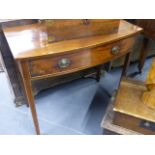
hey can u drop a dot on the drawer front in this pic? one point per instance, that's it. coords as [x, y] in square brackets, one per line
[80, 59]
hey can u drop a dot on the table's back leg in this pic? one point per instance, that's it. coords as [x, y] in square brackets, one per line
[29, 93]
[98, 73]
[126, 64]
[143, 54]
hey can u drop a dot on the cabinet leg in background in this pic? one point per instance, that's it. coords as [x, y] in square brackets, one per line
[126, 64]
[143, 54]
[98, 73]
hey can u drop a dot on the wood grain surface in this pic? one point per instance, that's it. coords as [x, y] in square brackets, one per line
[79, 59]
[37, 58]
[31, 41]
[128, 100]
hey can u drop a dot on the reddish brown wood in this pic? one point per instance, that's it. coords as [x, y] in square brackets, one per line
[39, 59]
[64, 29]
[126, 64]
[79, 59]
[10, 66]
[143, 54]
[148, 26]
[37, 45]
[29, 93]
[132, 123]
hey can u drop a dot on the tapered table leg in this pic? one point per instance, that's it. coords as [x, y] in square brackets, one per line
[126, 64]
[29, 93]
[143, 54]
[98, 73]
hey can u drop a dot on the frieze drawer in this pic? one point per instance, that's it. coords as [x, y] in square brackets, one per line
[79, 59]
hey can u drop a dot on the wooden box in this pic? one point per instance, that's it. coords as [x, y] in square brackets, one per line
[128, 114]
[66, 29]
[134, 124]
[108, 123]
[128, 100]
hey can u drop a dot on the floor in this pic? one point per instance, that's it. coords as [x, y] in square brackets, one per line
[1, 69]
[74, 108]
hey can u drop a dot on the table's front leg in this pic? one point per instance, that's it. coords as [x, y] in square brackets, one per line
[29, 92]
[143, 54]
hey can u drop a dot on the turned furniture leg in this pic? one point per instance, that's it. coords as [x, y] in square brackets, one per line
[29, 93]
[126, 64]
[143, 54]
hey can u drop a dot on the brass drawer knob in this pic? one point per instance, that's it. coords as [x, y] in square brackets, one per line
[63, 63]
[115, 50]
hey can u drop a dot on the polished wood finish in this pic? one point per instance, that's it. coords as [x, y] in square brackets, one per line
[130, 111]
[37, 42]
[119, 123]
[24, 68]
[128, 100]
[114, 127]
[8, 62]
[38, 59]
[131, 123]
[65, 29]
[98, 55]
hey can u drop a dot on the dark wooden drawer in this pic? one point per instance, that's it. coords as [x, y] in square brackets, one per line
[79, 59]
